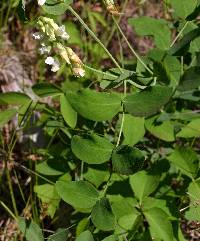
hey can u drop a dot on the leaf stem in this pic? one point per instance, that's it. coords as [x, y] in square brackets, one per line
[179, 34]
[94, 36]
[123, 116]
[131, 48]
[11, 191]
[8, 210]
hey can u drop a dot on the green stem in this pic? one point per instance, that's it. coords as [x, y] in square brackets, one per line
[99, 71]
[11, 192]
[19, 186]
[33, 172]
[131, 48]
[8, 210]
[7, 14]
[123, 116]
[114, 27]
[114, 76]
[94, 36]
[82, 168]
[121, 129]
[179, 34]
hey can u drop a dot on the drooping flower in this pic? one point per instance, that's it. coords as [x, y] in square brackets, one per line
[76, 63]
[51, 29]
[44, 49]
[72, 59]
[37, 36]
[62, 33]
[54, 63]
[63, 52]
[55, 66]
[41, 2]
[49, 60]
[79, 72]
[112, 7]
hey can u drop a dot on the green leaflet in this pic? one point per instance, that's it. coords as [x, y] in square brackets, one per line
[93, 105]
[55, 7]
[79, 194]
[147, 102]
[92, 149]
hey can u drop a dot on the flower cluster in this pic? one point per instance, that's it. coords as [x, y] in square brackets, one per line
[112, 7]
[51, 36]
[41, 2]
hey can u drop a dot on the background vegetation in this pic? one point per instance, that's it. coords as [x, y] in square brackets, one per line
[100, 120]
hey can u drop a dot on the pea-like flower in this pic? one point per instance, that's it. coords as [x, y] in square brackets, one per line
[52, 30]
[63, 52]
[37, 36]
[54, 63]
[62, 33]
[52, 34]
[76, 63]
[41, 2]
[44, 49]
[112, 7]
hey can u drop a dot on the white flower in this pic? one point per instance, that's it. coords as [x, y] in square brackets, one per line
[44, 49]
[62, 33]
[49, 60]
[37, 36]
[79, 72]
[63, 52]
[55, 66]
[41, 2]
[54, 63]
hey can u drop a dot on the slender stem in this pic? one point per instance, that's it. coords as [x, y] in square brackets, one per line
[114, 27]
[136, 85]
[9, 159]
[8, 210]
[131, 48]
[123, 116]
[82, 168]
[179, 34]
[107, 184]
[114, 76]
[99, 71]
[7, 14]
[11, 192]
[120, 49]
[121, 129]
[124, 236]
[33, 172]
[94, 36]
[20, 189]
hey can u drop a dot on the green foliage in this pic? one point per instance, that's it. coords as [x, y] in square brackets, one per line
[133, 129]
[68, 113]
[92, 149]
[186, 159]
[85, 236]
[60, 235]
[149, 101]
[143, 184]
[79, 194]
[102, 215]
[30, 230]
[157, 28]
[160, 226]
[6, 115]
[127, 160]
[93, 105]
[56, 7]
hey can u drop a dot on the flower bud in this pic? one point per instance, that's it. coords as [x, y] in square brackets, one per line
[112, 7]
[63, 52]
